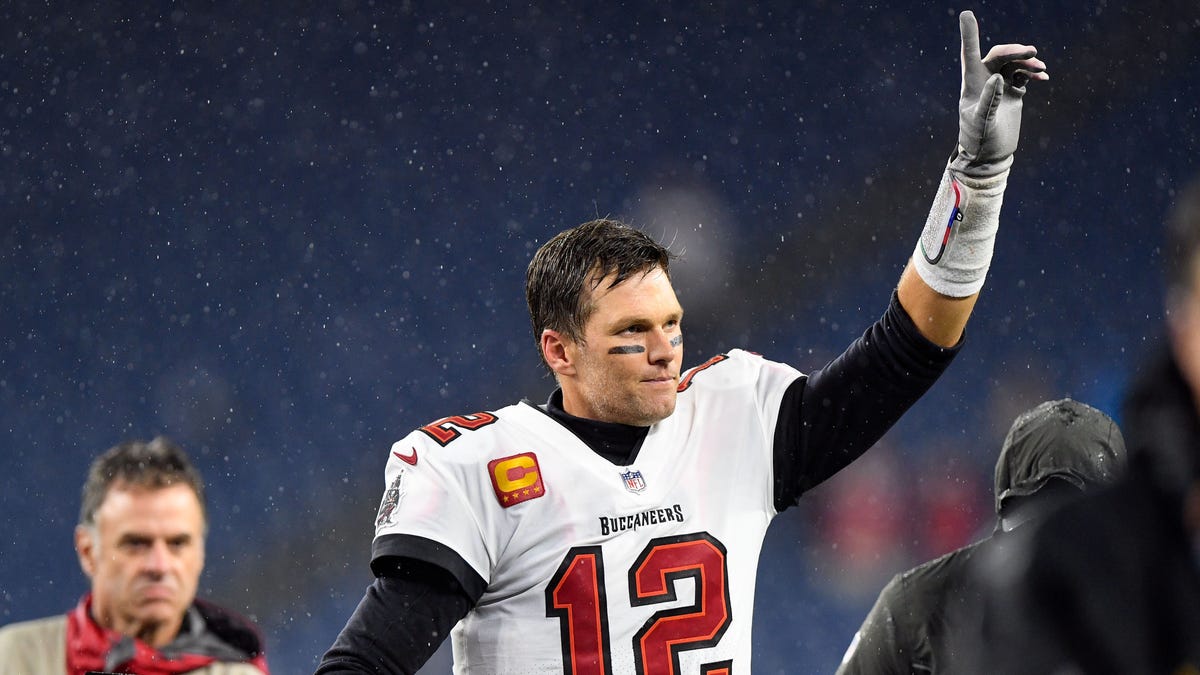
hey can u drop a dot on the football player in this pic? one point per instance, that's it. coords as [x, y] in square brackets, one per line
[617, 527]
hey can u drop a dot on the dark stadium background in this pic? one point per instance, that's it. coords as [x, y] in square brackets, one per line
[284, 234]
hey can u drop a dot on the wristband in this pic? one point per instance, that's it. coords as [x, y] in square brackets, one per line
[954, 251]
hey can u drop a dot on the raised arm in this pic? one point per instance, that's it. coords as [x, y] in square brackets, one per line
[942, 280]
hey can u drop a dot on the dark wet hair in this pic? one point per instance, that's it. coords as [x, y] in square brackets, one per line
[566, 269]
[156, 464]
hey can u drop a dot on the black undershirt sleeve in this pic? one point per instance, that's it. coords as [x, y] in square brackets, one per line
[835, 414]
[401, 621]
[391, 552]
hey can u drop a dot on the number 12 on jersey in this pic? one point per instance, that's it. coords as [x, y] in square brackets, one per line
[576, 596]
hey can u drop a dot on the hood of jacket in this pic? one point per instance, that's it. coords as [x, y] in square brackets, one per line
[1065, 440]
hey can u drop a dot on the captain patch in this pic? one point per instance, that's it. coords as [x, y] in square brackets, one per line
[516, 479]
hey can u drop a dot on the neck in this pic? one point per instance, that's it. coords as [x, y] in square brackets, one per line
[618, 443]
[157, 634]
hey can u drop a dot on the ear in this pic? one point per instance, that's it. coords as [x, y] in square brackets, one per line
[559, 352]
[86, 548]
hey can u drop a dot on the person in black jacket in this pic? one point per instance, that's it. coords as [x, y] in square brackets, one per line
[1111, 584]
[1052, 453]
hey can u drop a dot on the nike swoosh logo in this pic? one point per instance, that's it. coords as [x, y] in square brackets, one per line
[410, 459]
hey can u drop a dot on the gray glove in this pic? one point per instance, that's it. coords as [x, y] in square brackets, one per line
[989, 107]
[955, 249]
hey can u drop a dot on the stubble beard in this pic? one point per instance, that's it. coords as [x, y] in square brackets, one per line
[625, 407]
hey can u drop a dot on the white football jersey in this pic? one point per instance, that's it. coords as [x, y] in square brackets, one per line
[593, 568]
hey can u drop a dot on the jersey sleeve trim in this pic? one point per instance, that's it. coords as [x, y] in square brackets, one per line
[387, 548]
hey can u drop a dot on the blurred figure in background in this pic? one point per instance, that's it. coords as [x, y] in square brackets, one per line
[140, 541]
[1111, 583]
[1052, 453]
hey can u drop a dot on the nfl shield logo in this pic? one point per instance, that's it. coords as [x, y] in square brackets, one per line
[633, 481]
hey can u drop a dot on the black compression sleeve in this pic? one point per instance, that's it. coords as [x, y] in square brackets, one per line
[400, 622]
[828, 419]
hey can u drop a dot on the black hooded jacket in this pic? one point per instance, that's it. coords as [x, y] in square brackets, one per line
[929, 618]
[1110, 584]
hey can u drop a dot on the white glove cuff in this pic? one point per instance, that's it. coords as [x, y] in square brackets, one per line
[955, 249]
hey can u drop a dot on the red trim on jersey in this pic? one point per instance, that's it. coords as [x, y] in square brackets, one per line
[687, 379]
[410, 459]
[447, 429]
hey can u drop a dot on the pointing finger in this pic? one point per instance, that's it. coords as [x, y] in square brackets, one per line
[970, 36]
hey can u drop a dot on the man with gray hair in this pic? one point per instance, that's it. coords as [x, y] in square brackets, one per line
[140, 540]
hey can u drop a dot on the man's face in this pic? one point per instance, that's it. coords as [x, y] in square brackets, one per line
[144, 556]
[626, 369]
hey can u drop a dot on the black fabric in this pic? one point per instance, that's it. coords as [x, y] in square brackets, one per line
[933, 617]
[907, 629]
[618, 443]
[830, 418]
[1159, 416]
[212, 630]
[400, 622]
[1063, 439]
[1109, 584]
[1054, 493]
[391, 553]
[207, 630]
[930, 618]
